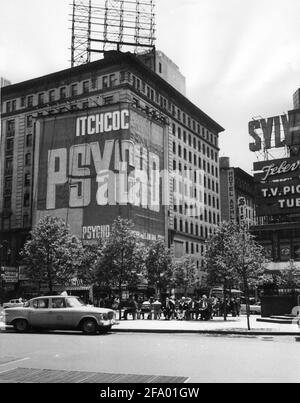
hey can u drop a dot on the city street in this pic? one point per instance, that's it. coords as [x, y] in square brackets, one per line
[196, 358]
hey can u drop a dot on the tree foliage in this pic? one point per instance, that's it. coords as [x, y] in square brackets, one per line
[159, 266]
[52, 254]
[233, 257]
[185, 274]
[220, 257]
[122, 257]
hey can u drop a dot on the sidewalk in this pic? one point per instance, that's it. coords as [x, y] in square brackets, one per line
[215, 326]
[232, 326]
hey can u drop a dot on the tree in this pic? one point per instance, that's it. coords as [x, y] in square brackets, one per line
[52, 254]
[220, 259]
[290, 277]
[90, 256]
[122, 257]
[185, 274]
[159, 266]
[249, 261]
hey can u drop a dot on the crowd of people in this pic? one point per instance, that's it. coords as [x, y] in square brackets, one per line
[170, 308]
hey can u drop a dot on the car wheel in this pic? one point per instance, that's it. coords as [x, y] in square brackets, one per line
[89, 326]
[21, 325]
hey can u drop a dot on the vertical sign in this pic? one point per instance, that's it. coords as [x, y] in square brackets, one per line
[242, 209]
[231, 195]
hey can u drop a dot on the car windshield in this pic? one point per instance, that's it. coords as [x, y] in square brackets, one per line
[74, 302]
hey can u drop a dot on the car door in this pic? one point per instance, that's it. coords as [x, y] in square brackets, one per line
[39, 313]
[61, 316]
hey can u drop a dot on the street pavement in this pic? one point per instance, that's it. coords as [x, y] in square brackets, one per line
[193, 358]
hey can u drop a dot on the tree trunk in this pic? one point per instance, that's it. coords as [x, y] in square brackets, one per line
[120, 300]
[246, 290]
[225, 304]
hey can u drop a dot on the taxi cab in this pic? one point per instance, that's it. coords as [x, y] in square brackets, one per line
[60, 313]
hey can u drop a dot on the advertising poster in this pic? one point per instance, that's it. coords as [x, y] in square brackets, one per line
[104, 164]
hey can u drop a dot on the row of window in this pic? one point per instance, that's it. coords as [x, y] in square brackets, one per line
[208, 200]
[8, 201]
[208, 183]
[164, 103]
[195, 229]
[194, 142]
[194, 159]
[61, 93]
[6, 222]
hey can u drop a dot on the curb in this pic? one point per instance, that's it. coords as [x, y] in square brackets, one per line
[213, 332]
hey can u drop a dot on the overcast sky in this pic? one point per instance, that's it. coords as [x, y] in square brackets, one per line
[241, 58]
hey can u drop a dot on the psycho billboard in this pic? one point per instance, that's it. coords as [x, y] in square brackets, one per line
[99, 164]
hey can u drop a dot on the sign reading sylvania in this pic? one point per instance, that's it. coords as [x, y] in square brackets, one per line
[106, 163]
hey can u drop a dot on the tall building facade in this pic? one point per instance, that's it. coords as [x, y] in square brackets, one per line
[237, 194]
[106, 139]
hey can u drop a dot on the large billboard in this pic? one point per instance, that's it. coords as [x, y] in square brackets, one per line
[277, 186]
[276, 132]
[97, 165]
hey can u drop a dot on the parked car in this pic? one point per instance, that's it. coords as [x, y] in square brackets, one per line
[255, 308]
[13, 303]
[60, 313]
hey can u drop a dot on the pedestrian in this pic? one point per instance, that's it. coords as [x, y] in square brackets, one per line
[139, 307]
[238, 306]
[167, 308]
[203, 308]
[187, 308]
[181, 309]
[146, 309]
[131, 308]
[156, 306]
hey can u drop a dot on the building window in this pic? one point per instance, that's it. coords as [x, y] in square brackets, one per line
[8, 106]
[9, 144]
[63, 93]
[14, 105]
[8, 164]
[105, 82]
[29, 121]
[108, 100]
[27, 159]
[26, 222]
[160, 67]
[27, 179]
[192, 248]
[7, 202]
[41, 98]
[26, 200]
[74, 90]
[29, 101]
[187, 247]
[8, 183]
[52, 96]
[29, 140]
[86, 87]
[23, 102]
[10, 128]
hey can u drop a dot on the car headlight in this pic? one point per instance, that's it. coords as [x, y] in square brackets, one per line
[103, 316]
